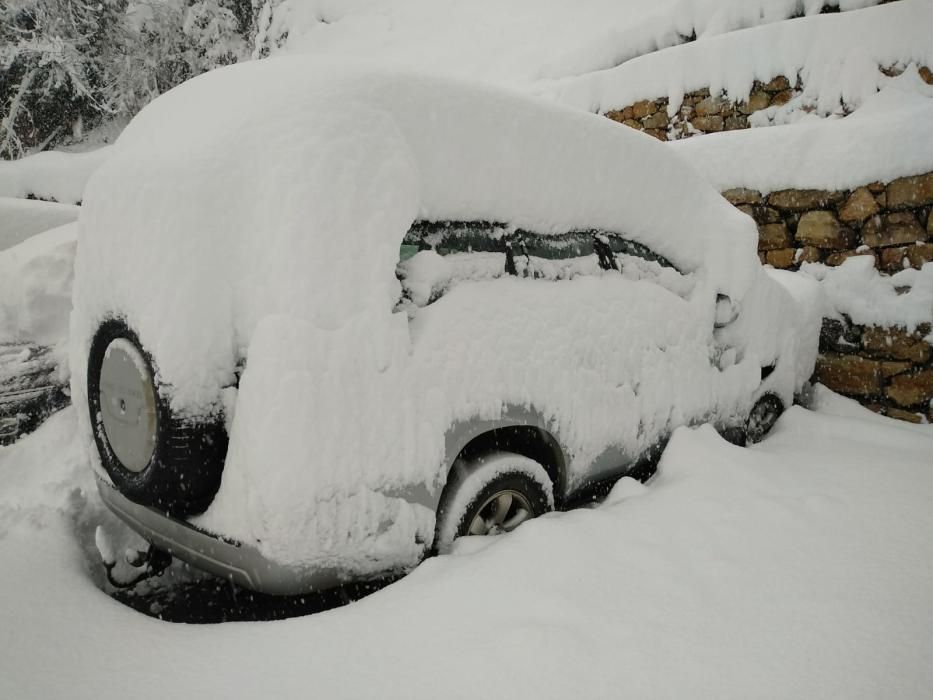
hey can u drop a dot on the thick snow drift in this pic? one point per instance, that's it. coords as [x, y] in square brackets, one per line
[771, 572]
[837, 57]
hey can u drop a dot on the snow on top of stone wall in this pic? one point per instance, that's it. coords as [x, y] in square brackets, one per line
[837, 57]
[519, 42]
[891, 136]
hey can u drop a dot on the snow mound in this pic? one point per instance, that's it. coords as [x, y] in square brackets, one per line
[35, 287]
[56, 175]
[837, 57]
[857, 290]
[22, 218]
[834, 154]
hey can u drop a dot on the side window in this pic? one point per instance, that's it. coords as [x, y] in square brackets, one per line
[436, 255]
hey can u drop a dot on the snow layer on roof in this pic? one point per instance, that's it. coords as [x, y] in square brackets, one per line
[270, 183]
[891, 136]
[837, 57]
[50, 175]
[519, 42]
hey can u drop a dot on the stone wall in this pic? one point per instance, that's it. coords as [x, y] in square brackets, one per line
[886, 369]
[891, 222]
[703, 113]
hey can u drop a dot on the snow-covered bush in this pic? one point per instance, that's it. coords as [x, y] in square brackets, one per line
[66, 64]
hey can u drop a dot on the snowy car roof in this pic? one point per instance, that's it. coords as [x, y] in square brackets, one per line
[334, 146]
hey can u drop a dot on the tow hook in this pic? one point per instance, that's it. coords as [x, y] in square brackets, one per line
[152, 562]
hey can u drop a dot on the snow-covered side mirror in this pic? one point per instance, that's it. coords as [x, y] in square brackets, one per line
[726, 311]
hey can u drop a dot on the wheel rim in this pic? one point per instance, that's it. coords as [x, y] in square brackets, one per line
[502, 512]
[128, 405]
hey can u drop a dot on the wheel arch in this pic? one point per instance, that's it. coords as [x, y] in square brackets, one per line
[522, 434]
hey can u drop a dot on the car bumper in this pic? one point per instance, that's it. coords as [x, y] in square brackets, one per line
[234, 561]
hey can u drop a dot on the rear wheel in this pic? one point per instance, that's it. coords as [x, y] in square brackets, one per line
[492, 496]
[154, 456]
[764, 415]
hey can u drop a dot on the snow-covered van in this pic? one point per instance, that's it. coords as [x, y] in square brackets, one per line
[327, 319]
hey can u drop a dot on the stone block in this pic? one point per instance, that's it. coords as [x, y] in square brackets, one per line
[821, 229]
[859, 206]
[781, 259]
[913, 389]
[892, 259]
[893, 229]
[773, 237]
[709, 106]
[740, 195]
[849, 374]
[778, 84]
[802, 200]
[713, 123]
[658, 120]
[914, 191]
[735, 122]
[767, 215]
[891, 369]
[927, 75]
[895, 344]
[757, 100]
[809, 254]
[782, 98]
[900, 414]
[919, 255]
[643, 108]
[660, 134]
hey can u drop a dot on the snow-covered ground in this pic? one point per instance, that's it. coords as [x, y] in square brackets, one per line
[802, 567]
